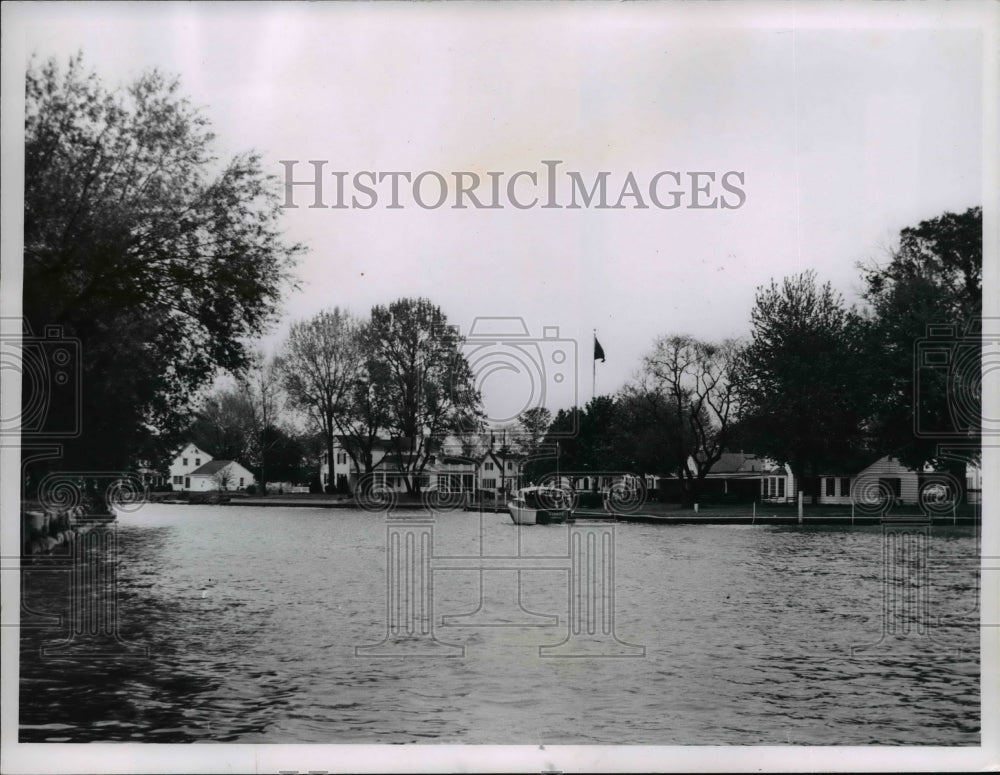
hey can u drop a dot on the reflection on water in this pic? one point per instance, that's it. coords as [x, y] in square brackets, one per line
[252, 616]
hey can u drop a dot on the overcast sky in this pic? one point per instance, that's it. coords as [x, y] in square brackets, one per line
[845, 129]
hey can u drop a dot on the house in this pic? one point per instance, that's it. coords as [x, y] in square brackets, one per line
[218, 475]
[869, 482]
[194, 469]
[346, 474]
[447, 469]
[746, 477]
[499, 471]
[189, 459]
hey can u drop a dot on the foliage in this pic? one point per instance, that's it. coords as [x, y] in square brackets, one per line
[934, 278]
[803, 378]
[222, 425]
[687, 387]
[533, 424]
[322, 363]
[594, 447]
[424, 378]
[140, 243]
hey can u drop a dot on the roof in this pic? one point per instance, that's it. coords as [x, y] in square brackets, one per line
[740, 463]
[210, 468]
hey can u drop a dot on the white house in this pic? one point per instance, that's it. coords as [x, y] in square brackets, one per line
[499, 471]
[187, 460]
[883, 477]
[194, 469]
[218, 475]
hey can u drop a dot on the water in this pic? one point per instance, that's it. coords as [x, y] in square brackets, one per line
[251, 618]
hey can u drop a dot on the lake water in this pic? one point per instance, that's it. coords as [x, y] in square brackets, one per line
[241, 624]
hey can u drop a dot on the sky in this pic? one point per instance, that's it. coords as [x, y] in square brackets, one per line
[844, 128]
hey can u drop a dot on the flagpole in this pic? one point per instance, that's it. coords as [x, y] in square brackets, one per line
[593, 376]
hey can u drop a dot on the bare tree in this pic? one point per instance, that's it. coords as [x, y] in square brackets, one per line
[321, 364]
[697, 379]
[223, 478]
[260, 386]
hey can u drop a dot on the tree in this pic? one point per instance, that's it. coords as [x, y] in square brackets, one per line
[160, 259]
[222, 425]
[322, 364]
[803, 378]
[223, 478]
[534, 422]
[934, 278]
[425, 378]
[259, 384]
[695, 381]
[649, 430]
[595, 446]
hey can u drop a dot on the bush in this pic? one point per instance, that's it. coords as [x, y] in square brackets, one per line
[251, 489]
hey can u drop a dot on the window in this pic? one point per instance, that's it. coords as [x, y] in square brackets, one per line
[241, 481]
[178, 480]
[197, 461]
[781, 487]
[510, 465]
[184, 462]
[831, 485]
[488, 466]
[341, 458]
[489, 484]
[845, 486]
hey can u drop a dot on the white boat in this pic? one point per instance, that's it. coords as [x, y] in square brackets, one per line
[540, 506]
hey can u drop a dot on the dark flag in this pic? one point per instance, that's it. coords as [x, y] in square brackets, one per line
[598, 350]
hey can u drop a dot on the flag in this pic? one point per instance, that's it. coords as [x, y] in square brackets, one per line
[598, 350]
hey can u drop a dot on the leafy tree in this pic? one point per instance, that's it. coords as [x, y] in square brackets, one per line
[533, 424]
[287, 456]
[594, 447]
[934, 278]
[158, 257]
[425, 378]
[649, 429]
[803, 378]
[222, 425]
[693, 380]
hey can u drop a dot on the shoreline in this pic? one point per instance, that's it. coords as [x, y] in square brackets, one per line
[725, 515]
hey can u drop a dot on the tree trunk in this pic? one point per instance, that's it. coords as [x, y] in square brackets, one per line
[330, 485]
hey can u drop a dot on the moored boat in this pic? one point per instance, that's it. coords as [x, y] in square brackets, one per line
[540, 506]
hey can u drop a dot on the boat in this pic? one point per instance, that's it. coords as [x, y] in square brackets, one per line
[541, 506]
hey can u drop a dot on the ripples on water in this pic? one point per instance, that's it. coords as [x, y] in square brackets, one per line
[251, 618]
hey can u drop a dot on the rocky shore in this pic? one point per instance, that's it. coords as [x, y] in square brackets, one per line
[47, 529]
